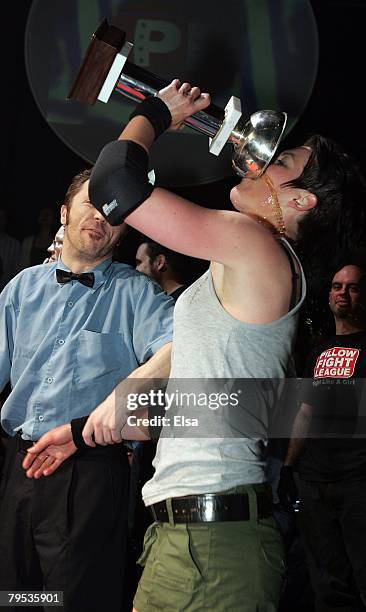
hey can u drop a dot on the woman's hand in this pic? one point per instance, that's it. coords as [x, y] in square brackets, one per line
[183, 101]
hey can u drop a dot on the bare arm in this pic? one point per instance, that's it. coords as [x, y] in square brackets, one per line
[214, 235]
[135, 428]
[299, 433]
[287, 489]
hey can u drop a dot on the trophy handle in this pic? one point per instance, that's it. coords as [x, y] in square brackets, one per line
[100, 55]
[105, 69]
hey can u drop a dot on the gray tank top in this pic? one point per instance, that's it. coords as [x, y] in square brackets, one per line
[213, 351]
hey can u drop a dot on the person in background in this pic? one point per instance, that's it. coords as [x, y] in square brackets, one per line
[9, 252]
[164, 266]
[332, 462]
[55, 248]
[34, 246]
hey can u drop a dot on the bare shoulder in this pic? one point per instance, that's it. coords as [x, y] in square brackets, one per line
[257, 286]
[252, 243]
[241, 240]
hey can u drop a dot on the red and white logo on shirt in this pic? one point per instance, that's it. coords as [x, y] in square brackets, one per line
[337, 362]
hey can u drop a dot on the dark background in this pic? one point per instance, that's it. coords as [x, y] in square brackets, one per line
[37, 166]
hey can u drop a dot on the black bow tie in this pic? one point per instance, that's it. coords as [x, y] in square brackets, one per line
[86, 278]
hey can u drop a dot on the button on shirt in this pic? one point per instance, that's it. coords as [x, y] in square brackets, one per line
[65, 347]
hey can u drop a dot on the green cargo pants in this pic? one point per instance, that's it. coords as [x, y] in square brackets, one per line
[225, 566]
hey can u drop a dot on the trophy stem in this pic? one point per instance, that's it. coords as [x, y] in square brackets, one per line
[136, 84]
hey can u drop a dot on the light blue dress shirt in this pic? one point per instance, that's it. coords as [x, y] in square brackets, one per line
[65, 347]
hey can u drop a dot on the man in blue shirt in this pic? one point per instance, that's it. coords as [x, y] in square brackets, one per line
[69, 332]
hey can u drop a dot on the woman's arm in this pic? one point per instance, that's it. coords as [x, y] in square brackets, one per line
[214, 235]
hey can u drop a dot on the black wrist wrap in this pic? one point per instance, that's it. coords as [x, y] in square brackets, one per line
[155, 430]
[119, 180]
[77, 426]
[156, 111]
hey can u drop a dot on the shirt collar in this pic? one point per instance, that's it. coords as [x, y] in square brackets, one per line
[100, 272]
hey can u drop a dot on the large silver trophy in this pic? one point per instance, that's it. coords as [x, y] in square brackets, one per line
[106, 69]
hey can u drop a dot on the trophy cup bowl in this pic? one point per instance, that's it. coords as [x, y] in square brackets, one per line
[256, 142]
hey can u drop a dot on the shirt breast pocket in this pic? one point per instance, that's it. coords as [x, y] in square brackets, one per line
[99, 358]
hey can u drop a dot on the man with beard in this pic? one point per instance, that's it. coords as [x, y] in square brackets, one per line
[163, 265]
[332, 460]
[70, 331]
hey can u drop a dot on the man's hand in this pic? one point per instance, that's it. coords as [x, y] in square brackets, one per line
[183, 101]
[287, 490]
[49, 452]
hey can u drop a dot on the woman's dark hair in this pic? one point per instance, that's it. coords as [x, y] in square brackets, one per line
[336, 227]
[335, 178]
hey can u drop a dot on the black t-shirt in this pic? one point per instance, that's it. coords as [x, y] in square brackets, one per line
[333, 384]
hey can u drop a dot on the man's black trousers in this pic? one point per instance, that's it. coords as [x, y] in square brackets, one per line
[67, 532]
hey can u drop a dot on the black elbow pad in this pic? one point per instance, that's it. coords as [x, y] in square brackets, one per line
[119, 180]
